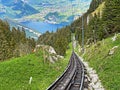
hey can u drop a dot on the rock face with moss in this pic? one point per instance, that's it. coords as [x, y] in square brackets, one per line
[49, 53]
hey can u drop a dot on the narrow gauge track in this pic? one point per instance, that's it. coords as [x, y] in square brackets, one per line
[72, 78]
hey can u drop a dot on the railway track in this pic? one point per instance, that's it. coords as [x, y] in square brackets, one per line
[72, 78]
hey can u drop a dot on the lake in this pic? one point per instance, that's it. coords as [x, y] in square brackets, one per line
[42, 27]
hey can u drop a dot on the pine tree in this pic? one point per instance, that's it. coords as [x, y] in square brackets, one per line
[111, 16]
[14, 43]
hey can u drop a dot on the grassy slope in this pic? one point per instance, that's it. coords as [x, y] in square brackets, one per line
[107, 66]
[15, 74]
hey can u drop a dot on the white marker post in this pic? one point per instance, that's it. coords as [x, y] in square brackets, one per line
[30, 81]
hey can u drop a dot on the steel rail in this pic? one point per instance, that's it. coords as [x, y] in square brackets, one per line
[73, 72]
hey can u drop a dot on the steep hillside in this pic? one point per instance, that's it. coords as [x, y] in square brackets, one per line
[104, 57]
[75, 27]
[99, 22]
[13, 42]
[59, 40]
[102, 51]
[16, 72]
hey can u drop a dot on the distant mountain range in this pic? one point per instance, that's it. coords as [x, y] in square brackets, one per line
[16, 9]
[50, 11]
[29, 31]
[42, 10]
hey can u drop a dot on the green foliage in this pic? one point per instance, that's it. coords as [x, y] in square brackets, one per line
[107, 66]
[99, 28]
[94, 4]
[101, 25]
[61, 45]
[59, 40]
[13, 43]
[15, 73]
[111, 16]
[95, 30]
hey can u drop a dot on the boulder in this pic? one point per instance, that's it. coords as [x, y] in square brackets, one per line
[54, 58]
[51, 59]
[60, 57]
[51, 50]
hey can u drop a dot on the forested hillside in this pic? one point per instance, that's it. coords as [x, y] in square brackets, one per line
[13, 42]
[100, 21]
[34, 72]
[59, 40]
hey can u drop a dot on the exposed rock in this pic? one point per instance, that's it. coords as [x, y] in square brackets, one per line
[49, 53]
[111, 52]
[90, 88]
[54, 58]
[60, 57]
[51, 59]
[114, 38]
[85, 89]
[51, 50]
[95, 83]
[87, 46]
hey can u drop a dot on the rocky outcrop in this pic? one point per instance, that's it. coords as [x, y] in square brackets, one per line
[114, 38]
[49, 53]
[95, 83]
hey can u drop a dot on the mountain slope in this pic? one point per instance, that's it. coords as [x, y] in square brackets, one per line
[17, 9]
[39, 9]
[99, 21]
[46, 7]
[29, 31]
[24, 8]
[15, 73]
[107, 65]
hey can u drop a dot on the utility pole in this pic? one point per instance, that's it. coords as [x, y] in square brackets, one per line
[72, 29]
[82, 34]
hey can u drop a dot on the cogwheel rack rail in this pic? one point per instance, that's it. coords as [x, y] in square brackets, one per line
[72, 78]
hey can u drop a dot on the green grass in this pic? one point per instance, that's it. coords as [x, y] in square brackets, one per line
[15, 73]
[107, 66]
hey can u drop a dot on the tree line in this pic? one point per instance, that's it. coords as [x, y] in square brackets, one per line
[98, 27]
[59, 39]
[13, 42]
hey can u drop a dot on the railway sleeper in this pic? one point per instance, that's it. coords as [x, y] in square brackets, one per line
[75, 87]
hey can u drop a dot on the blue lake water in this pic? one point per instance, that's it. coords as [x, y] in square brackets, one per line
[42, 27]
